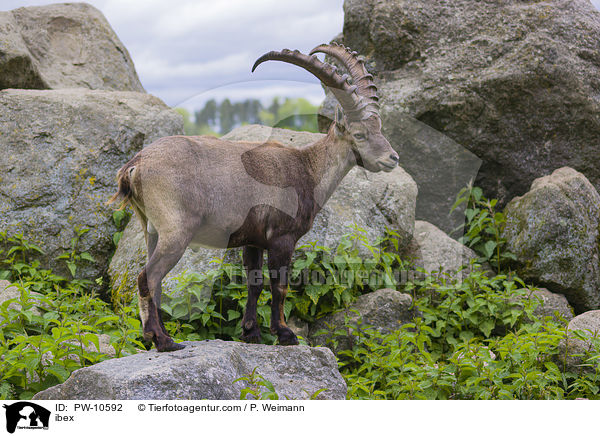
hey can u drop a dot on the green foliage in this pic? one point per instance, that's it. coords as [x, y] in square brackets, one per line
[525, 363]
[15, 252]
[478, 306]
[75, 257]
[53, 327]
[483, 229]
[120, 219]
[210, 306]
[334, 279]
[258, 387]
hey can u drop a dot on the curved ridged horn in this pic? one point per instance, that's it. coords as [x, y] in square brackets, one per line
[356, 67]
[345, 93]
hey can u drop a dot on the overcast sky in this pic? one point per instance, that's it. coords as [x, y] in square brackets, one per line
[188, 50]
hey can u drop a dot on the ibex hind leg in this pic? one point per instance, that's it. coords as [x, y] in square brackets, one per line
[150, 234]
[168, 251]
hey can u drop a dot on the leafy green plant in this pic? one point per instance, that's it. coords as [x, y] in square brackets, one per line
[41, 349]
[258, 387]
[335, 278]
[120, 219]
[74, 257]
[53, 326]
[15, 252]
[209, 306]
[483, 228]
[524, 364]
[477, 306]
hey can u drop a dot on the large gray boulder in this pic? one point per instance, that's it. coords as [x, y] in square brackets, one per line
[205, 370]
[69, 45]
[440, 166]
[551, 304]
[386, 310]
[371, 201]
[60, 153]
[512, 81]
[553, 231]
[435, 252]
[9, 292]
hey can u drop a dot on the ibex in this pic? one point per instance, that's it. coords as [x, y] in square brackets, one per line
[199, 190]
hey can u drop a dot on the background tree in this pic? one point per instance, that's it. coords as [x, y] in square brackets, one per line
[293, 113]
[208, 114]
[226, 116]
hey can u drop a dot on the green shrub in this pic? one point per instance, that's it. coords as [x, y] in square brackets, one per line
[209, 306]
[51, 329]
[457, 311]
[524, 364]
[332, 279]
[483, 228]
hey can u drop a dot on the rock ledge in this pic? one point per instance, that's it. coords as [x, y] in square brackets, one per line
[205, 370]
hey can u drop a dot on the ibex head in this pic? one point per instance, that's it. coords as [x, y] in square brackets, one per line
[360, 123]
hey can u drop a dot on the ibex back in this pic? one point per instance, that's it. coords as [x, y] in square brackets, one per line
[201, 190]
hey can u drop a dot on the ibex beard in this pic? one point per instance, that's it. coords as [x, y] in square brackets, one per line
[190, 191]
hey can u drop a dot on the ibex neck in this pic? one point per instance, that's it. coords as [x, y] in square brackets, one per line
[329, 160]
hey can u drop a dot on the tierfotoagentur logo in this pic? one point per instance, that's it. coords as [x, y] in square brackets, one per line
[26, 416]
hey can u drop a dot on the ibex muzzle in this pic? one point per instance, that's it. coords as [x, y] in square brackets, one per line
[261, 196]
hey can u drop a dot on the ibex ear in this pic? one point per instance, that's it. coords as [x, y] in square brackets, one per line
[339, 121]
[339, 129]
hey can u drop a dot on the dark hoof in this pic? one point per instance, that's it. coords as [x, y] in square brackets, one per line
[253, 339]
[287, 337]
[251, 333]
[168, 345]
[251, 336]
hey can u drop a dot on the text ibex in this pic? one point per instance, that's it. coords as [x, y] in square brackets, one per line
[200, 190]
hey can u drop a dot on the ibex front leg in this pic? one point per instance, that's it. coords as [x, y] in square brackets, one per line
[253, 261]
[280, 256]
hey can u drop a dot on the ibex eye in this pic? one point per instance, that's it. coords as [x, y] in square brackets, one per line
[359, 136]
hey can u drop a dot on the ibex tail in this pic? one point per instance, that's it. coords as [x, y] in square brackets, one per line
[124, 180]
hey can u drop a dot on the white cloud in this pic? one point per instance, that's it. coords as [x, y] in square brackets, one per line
[157, 69]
